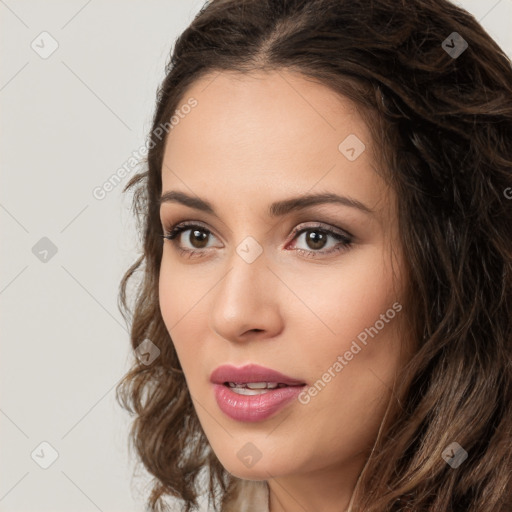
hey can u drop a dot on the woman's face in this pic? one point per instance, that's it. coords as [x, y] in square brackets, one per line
[271, 285]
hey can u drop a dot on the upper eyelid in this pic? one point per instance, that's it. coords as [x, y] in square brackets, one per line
[302, 226]
[308, 211]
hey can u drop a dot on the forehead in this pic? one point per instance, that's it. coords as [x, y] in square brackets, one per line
[276, 132]
[247, 111]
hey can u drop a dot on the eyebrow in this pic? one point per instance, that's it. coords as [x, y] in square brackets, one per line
[277, 209]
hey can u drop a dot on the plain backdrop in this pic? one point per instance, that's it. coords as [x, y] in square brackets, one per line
[78, 81]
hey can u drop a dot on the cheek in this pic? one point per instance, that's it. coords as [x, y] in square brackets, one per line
[178, 291]
[176, 300]
[348, 297]
[184, 308]
[361, 313]
[167, 296]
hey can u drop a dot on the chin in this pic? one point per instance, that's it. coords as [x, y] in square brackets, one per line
[258, 472]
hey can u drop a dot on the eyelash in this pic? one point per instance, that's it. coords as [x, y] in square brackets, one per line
[172, 232]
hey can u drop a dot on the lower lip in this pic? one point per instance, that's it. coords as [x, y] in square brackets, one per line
[253, 407]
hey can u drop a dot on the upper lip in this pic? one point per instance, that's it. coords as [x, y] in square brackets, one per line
[250, 373]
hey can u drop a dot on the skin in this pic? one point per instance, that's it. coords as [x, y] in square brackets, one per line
[250, 141]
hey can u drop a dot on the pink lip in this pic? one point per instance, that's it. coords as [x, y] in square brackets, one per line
[250, 373]
[255, 407]
[252, 407]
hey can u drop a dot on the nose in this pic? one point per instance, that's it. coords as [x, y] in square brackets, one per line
[246, 303]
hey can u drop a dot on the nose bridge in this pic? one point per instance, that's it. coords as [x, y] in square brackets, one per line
[245, 298]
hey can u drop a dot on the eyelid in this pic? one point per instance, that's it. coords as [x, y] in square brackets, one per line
[322, 225]
[296, 230]
[187, 224]
[345, 240]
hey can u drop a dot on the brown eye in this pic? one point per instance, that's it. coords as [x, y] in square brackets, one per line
[198, 238]
[316, 239]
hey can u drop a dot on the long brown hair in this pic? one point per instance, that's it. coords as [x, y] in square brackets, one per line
[441, 118]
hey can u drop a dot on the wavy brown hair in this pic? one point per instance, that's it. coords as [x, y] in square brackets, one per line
[442, 127]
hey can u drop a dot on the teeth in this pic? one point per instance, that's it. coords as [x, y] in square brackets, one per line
[254, 388]
[262, 385]
[247, 391]
[254, 385]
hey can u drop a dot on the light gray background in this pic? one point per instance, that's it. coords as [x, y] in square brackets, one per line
[68, 122]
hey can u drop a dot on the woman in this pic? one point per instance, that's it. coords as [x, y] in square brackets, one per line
[324, 319]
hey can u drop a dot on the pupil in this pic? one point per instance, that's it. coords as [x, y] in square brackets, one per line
[316, 238]
[197, 236]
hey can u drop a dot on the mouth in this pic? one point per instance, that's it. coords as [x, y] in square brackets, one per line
[256, 388]
[252, 376]
[243, 404]
[253, 393]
